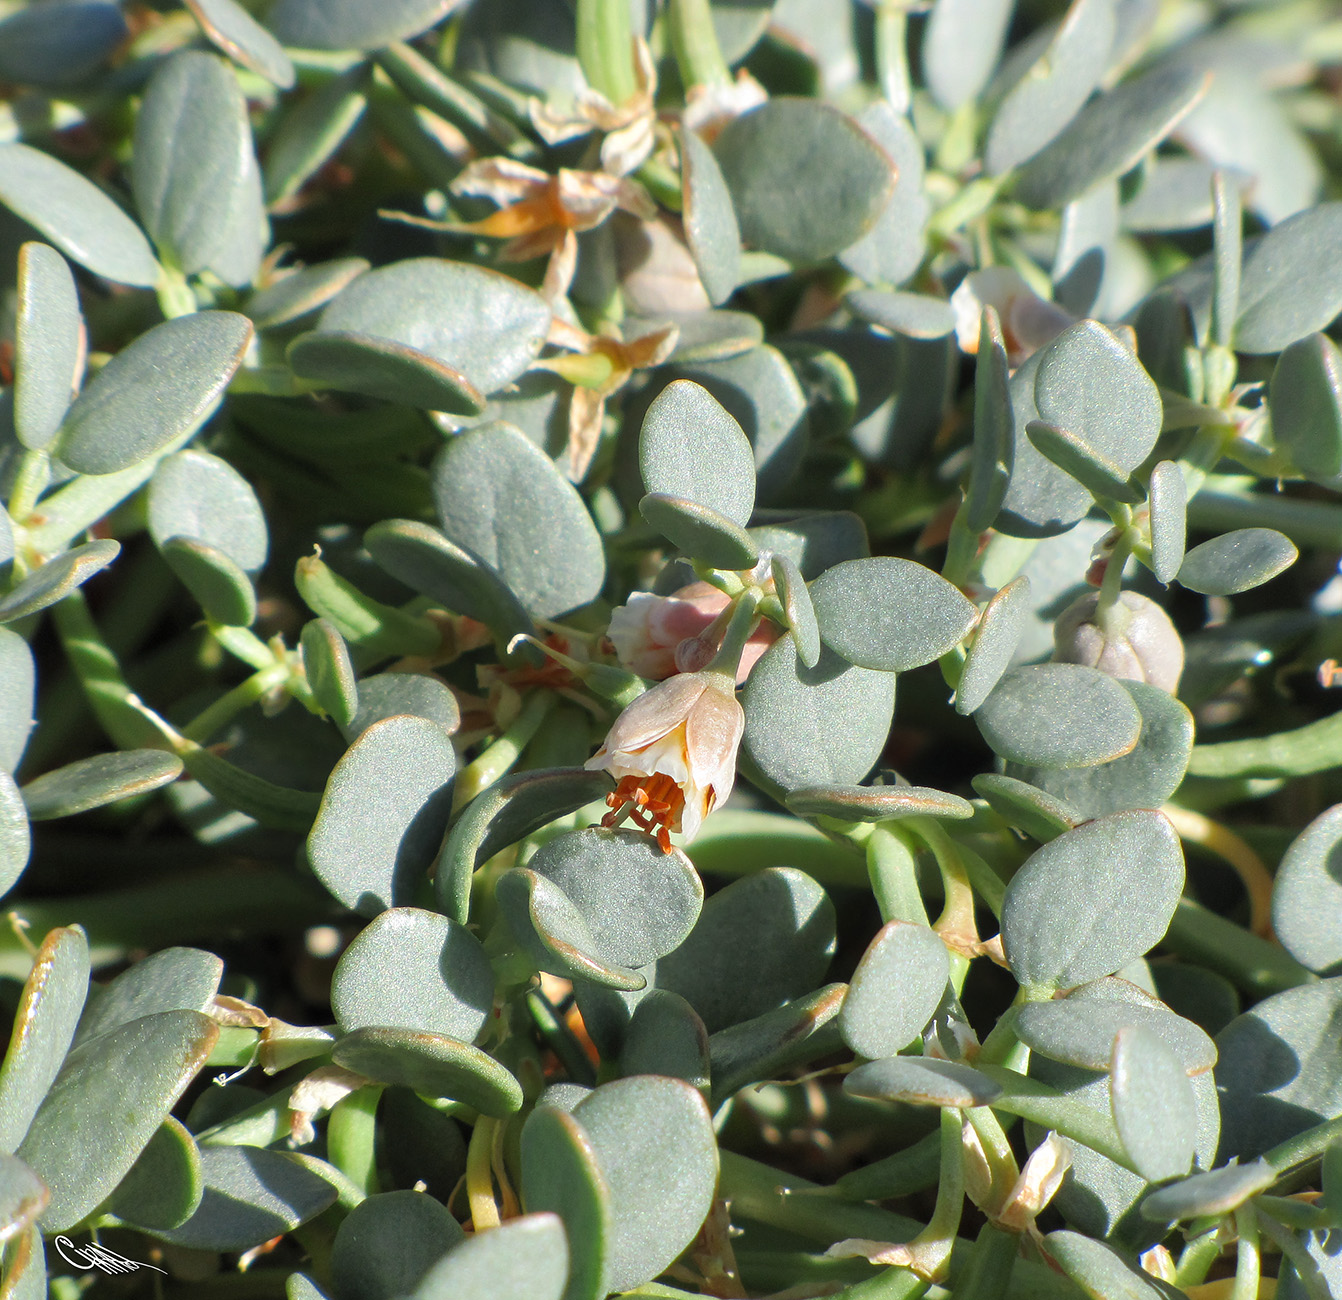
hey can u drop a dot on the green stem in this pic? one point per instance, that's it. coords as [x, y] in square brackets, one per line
[560, 1039]
[1111, 588]
[1247, 1257]
[932, 1247]
[1306, 523]
[744, 620]
[962, 550]
[1315, 747]
[1304, 1147]
[170, 909]
[229, 705]
[606, 48]
[695, 43]
[956, 924]
[988, 1276]
[1255, 965]
[33, 476]
[1001, 1159]
[245, 645]
[1197, 1258]
[114, 704]
[480, 1175]
[892, 869]
[351, 1137]
[1049, 1108]
[500, 757]
[175, 297]
[912, 1170]
[892, 53]
[766, 1195]
[1306, 1270]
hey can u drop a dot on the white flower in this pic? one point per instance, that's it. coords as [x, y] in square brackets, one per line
[672, 753]
[1028, 321]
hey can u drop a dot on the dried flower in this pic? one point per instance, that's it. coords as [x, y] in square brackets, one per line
[673, 754]
[647, 630]
[599, 366]
[630, 128]
[540, 213]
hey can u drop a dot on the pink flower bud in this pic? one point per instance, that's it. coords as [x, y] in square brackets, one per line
[647, 630]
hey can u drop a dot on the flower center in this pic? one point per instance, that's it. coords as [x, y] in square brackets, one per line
[652, 803]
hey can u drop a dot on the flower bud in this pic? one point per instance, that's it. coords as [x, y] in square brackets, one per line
[647, 630]
[1134, 640]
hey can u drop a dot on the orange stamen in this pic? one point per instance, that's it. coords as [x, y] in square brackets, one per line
[653, 803]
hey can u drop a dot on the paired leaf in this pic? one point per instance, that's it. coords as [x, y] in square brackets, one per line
[690, 447]
[1237, 561]
[1307, 895]
[710, 220]
[413, 969]
[103, 779]
[202, 497]
[1059, 716]
[194, 173]
[895, 991]
[825, 725]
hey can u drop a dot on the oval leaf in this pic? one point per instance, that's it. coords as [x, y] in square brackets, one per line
[895, 991]
[57, 578]
[87, 226]
[710, 220]
[412, 969]
[1237, 561]
[1059, 715]
[922, 1081]
[383, 814]
[1155, 1111]
[196, 495]
[1307, 895]
[1093, 899]
[768, 158]
[159, 389]
[825, 725]
[691, 447]
[525, 1259]
[48, 344]
[194, 172]
[432, 1066]
[889, 613]
[484, 325]
[116, 1089]
[102, 779]
[500, 497]
[656, 1207]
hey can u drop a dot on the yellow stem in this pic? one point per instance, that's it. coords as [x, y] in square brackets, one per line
[1237, 854]
[479, 1176]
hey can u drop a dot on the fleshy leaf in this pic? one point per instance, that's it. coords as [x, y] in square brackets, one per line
[1093, 899]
